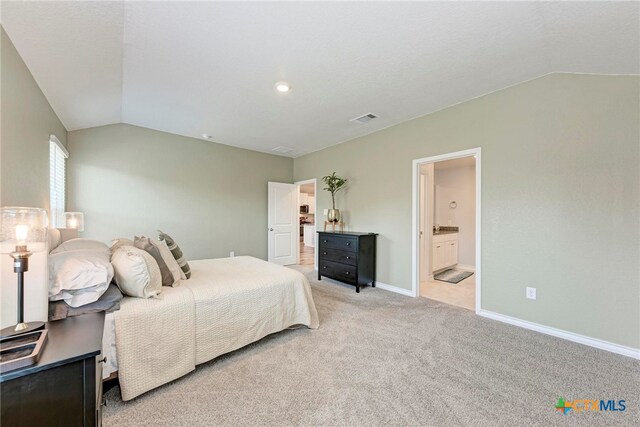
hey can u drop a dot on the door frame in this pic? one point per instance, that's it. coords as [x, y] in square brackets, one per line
[415, 234]
[313, 181]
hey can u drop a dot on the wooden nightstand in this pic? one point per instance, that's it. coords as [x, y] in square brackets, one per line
[65, 387]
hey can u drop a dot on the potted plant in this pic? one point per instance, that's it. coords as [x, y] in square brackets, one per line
[333, 184]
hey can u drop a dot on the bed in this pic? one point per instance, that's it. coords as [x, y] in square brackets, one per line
[227, 304]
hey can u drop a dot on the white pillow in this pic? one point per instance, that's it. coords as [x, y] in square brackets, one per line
[120, 241]
[137, 273]
[79, 277]
[80, 244]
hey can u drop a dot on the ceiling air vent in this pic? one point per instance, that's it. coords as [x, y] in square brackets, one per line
[364, 119]
[283, 150]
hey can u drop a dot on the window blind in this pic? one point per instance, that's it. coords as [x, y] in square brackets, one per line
[57, 159]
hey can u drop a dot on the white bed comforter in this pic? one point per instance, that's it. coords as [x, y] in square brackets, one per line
[226, 304]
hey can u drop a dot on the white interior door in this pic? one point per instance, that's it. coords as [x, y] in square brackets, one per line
[283, 223]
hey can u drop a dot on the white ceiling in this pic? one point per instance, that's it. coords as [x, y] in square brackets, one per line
[201, 67]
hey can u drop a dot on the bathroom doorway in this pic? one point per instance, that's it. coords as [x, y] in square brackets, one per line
[447, 229]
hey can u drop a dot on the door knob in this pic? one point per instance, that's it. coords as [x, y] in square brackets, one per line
[271, 229]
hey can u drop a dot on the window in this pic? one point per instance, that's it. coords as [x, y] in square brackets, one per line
[57, 157]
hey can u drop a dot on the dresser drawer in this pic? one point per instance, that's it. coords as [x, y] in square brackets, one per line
[342, 272]
[335, 242]
[336, 255]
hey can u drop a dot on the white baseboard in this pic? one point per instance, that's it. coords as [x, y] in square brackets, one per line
[397, 290]
[570, 336]
[465, 267]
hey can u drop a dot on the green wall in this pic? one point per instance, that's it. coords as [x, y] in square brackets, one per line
[211, 198]
[560, 197]
[26, 122]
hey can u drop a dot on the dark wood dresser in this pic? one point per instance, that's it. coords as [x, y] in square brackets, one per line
[349, 257]
[65, 387]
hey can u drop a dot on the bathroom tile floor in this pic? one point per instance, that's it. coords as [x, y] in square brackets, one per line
[462, 294]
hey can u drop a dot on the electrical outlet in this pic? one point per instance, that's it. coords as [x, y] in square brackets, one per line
[326, 211]
[232, 254]
[531, 293]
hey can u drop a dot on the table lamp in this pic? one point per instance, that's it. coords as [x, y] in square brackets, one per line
[23, 231]
[74, 220]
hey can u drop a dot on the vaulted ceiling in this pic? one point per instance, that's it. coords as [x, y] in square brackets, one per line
[201, 67]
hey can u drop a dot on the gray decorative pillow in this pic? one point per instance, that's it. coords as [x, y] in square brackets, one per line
[144, 244]
[108, 302]
[177, 253]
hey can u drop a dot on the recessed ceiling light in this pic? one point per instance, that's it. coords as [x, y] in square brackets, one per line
[283, 87]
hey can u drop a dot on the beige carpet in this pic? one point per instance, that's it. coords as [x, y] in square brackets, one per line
[379, 358]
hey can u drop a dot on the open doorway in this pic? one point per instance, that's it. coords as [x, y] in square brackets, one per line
[307, 218]
[447, 228]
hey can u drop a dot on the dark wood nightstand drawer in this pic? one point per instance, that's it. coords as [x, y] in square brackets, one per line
[342, 272]
[342, 243]
[64, 387]
[336, 255]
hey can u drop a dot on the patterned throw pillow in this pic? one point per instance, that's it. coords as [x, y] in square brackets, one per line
[145, 244]
[177, 253]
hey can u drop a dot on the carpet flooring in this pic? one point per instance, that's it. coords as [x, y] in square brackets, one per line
[380, 358]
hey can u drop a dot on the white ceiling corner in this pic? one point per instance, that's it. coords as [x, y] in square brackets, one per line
[210, 67]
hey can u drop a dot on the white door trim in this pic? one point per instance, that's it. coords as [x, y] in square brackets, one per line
[415, 228]
[313, 181]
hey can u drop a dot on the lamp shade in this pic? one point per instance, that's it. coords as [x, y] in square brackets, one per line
[74, 220]
[23, 227]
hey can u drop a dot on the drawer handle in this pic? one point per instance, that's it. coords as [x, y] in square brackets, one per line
[103, 360]
[324, 266]
[324, 253]
[452, 244]
[348, 257]
[437, 246]
[325, 241]
[348, 243]
[347, 273]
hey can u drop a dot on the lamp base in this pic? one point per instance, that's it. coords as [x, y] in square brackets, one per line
[21, 328]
